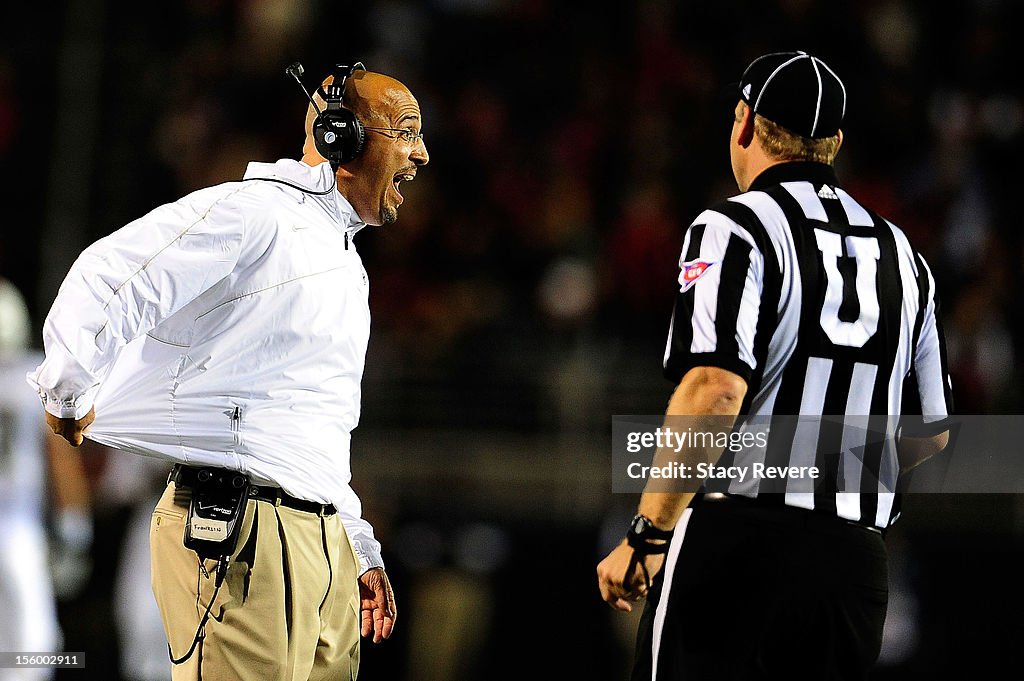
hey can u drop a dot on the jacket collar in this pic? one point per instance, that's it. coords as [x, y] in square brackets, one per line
[316, 178]
[793, 171]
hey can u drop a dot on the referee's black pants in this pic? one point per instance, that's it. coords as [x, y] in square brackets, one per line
[765, 592]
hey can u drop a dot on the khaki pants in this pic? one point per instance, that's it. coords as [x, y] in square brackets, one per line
[288, 608]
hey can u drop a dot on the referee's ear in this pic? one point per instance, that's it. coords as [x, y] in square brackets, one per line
[745, 136]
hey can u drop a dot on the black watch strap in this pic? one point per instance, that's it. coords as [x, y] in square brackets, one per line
[645, 538]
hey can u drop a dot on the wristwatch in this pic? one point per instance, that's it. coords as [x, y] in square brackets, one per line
[644, 537]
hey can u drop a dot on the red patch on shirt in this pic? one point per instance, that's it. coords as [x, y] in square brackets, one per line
[691, 272]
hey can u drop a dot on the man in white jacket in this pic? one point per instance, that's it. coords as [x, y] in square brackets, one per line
[226, 332]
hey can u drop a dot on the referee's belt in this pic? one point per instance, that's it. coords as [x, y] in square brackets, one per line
[806, 513]
[186, 476]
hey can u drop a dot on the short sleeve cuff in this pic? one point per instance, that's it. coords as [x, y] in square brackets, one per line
[677, 367]
[924, 426]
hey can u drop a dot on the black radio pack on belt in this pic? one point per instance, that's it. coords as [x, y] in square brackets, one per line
[215, 512]
[212, 526]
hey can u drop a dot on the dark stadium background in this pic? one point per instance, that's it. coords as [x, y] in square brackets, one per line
[523, 296]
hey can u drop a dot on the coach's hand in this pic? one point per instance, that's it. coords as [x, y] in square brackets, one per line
[72, 430]
[618, 588]
[377, 603]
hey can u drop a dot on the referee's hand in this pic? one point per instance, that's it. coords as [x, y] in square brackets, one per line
[617, 588]
[70, 429]
[377, 604]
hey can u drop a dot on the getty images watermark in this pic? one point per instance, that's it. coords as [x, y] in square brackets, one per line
[842, 453]
[667, 439]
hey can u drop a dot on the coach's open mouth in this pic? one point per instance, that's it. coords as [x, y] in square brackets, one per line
[400, 177]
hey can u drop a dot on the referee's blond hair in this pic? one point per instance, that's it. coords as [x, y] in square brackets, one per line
[784, 145]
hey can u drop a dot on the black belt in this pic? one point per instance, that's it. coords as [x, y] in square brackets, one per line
[718, 497]
[186, 476]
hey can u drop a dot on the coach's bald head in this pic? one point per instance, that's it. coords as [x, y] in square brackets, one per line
[390, 114]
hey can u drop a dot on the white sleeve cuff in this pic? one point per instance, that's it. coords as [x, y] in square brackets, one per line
[70, 408]
[368, 553]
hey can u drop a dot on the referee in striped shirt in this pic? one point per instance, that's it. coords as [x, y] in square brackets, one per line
[795, 303]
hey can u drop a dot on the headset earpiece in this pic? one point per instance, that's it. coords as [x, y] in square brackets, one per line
[339, 136]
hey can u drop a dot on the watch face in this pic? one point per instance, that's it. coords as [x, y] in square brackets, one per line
[639, 524]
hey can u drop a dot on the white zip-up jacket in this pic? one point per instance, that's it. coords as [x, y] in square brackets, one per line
[228, 328]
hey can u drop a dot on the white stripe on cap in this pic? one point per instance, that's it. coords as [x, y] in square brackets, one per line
[817, 107]
[841, 86]
[800, 55]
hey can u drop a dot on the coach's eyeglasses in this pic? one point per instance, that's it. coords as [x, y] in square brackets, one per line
[404, 134]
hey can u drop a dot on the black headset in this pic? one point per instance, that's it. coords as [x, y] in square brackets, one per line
[337, 133]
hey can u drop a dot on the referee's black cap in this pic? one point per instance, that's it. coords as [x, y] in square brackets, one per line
[796, 90]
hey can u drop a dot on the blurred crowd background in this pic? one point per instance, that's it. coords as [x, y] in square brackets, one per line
[523, 297]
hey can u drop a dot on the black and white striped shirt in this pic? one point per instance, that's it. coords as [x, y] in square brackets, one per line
[824, 308]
